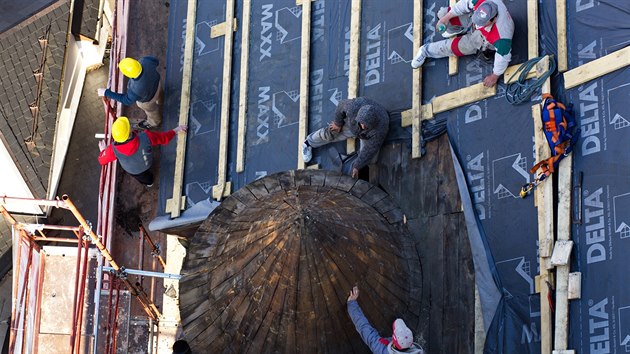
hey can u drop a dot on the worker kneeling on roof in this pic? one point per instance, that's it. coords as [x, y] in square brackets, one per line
[133, 150]
[359, 117]
[492, 28]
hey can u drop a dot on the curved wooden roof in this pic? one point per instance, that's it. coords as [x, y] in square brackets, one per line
[271, 268]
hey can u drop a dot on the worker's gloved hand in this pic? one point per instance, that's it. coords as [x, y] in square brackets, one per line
[100, 92]
[444, 20]
[181, 128]
[490, 80]
[354, 293]
[334, 127]
[102, 145]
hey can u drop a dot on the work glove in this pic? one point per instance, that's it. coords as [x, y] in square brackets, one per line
[100, 92]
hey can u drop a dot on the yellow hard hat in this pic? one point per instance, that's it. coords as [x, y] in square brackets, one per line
[130, 67]
[121, 129]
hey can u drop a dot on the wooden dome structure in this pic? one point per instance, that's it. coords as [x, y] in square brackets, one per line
[271, 268]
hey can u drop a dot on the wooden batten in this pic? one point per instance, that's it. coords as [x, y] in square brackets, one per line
[532, 29]
[416, 85]
[175, 205]
[561, 26]
[545, 200]
[304, 79]
[243, 88]
[596, 68]
[223, 188]
[452, 60]
[355, 52]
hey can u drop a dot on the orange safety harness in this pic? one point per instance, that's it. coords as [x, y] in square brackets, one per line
[558, 124]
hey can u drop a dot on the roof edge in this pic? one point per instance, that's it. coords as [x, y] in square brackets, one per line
[37, 15]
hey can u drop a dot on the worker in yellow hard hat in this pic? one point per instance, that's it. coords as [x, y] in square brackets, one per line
[133, 150]
[144, 88]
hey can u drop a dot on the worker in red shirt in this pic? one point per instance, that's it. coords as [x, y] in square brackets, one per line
[133, 150]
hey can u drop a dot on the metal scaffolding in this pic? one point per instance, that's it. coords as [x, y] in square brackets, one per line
[32, 236]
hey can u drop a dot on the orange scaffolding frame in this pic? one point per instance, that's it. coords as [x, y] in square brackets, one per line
[84, 234]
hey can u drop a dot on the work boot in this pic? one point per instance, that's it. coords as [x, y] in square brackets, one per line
[419, 58]
[307, 152]
[452, 31]
[486, 55]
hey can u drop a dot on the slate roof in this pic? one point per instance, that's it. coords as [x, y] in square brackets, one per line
[85, 18]
[20, 54]
[15, 11]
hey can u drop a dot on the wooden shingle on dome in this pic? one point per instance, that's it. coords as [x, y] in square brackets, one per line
[271, 268]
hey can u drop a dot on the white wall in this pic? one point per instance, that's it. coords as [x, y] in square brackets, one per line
[12, 184]
[79, 56]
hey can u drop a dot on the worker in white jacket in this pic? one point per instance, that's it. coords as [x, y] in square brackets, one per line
[493, 29]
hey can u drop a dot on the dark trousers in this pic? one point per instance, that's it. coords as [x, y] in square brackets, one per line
[145, 177]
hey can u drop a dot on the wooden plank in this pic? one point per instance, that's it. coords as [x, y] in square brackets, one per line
[439, 299]
[541, 67]
[452, 285]
[406, 118]
[452, 60]
[355, 52]
[545, 221]
[416, 83]
[170, 206]
[449, 201]
[596, 68]
[575, 286]
[427, 111]
[219, 30]
[221, 188]
[176, 204]
[561, 340]
[243, 89]
[509, 77]
[304, 79]
[532, 29]
[462, 97]
[545, 248]
[561, 21]
[561, 252]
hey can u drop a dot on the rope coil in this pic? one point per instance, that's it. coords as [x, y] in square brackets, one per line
[521, 91]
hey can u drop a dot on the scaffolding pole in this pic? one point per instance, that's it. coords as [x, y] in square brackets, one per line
[154, 249]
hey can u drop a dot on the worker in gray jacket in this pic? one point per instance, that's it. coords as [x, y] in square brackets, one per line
[493, 29]
[401, 340]
[359, 117]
